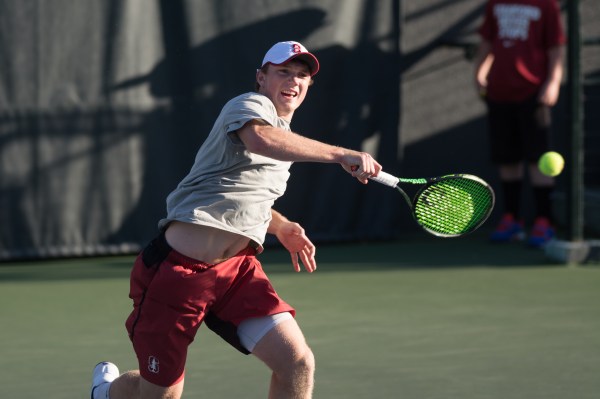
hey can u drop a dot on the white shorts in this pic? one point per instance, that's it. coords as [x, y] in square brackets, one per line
[252, 330]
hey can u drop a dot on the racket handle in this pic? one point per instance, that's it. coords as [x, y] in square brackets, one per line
[386, 178]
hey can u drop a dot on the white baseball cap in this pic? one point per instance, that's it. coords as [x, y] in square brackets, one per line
[283, 52]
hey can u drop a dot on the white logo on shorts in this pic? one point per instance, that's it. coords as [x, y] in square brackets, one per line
[153, 365]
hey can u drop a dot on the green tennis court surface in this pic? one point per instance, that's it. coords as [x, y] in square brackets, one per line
[421, 319]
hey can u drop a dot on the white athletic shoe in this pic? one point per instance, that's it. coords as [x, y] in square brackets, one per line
[103, 372]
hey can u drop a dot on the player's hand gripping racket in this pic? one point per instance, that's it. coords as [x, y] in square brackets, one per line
[446, 206]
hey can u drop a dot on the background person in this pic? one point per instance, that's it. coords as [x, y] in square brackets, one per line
[518, 70]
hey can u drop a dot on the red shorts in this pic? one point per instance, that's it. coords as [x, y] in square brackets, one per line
[173, 294]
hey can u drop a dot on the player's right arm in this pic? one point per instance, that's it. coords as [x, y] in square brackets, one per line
[483, 62]
[263, 139]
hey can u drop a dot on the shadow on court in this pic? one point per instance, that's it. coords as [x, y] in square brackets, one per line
[419, 251]
[414, 251]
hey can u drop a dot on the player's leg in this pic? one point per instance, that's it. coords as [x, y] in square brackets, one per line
[131, 385]
[285, 351]
[161, 326]
[536, 122]
[543, 226]
[505, 146]
[511, 171]
[274, 338]
[538, 179]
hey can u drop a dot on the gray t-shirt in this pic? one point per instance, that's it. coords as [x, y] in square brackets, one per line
[228, 187]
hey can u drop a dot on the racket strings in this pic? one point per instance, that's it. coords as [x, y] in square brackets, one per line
[453, 206]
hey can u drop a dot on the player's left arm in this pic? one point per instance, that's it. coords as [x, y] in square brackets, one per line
[551, 88]
[294, 239]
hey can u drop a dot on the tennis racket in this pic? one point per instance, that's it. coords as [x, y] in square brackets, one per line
[446, 206]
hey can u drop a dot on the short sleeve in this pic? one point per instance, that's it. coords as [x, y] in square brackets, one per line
[555, 35]
[247, 107]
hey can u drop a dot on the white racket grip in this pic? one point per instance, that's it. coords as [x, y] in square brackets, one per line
[385, 178]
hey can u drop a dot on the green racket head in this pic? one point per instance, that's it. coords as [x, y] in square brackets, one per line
[451, 206]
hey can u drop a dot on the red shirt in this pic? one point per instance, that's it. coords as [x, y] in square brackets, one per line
[521, 33]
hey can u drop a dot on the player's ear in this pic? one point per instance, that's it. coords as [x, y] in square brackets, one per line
[260, 77]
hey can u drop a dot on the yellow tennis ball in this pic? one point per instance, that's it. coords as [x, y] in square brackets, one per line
[551, 163]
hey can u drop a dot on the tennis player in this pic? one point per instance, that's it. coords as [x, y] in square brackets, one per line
[202, 267]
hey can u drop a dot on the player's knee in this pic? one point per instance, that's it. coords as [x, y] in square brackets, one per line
[126, 386]
[303, 363]
[308, 362]
[299, 365]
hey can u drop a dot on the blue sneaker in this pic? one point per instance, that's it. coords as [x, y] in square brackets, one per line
[541, 233]
[508, 230]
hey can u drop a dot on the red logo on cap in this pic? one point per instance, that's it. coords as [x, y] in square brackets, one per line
[296, 48]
